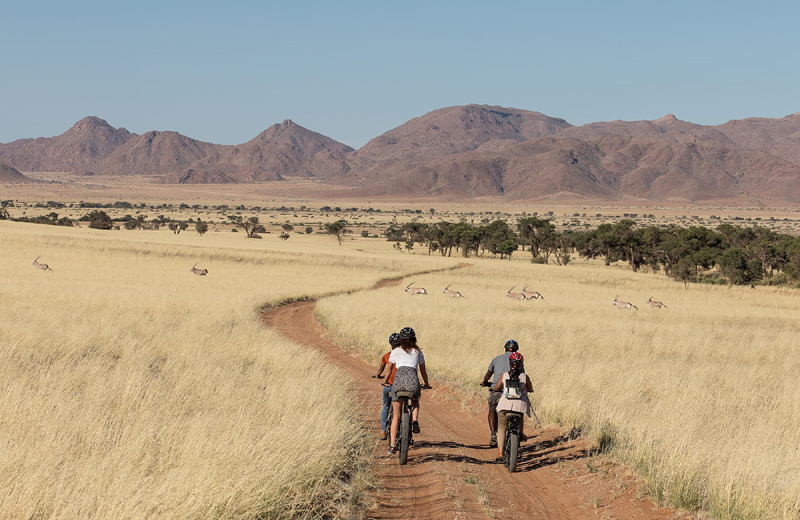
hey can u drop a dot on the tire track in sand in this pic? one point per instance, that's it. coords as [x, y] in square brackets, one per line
[451, 472]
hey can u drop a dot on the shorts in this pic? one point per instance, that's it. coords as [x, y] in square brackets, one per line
[494, 397]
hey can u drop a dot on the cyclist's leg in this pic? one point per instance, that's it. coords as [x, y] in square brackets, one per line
[395, 421]
[493, 398]
[502, 426]
[387, 402]
[415, 409]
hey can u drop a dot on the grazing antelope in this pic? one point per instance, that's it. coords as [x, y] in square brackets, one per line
[199, 272]
[38, 265]
[653, 304]
[415, 290]
[623, 305]
[452, 294]
[515, 295]
[531, 295]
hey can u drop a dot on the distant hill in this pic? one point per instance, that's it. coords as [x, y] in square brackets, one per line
[155, 153]
[288, 149]
[448, 131]
[81, 147]
[9, 175]
[461, 151]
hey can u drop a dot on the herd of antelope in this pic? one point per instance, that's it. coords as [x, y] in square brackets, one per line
[198, 272]
[525, 294]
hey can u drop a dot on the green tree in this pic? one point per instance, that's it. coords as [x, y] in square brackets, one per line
[201, 227]
[535, 233]
[338, 228]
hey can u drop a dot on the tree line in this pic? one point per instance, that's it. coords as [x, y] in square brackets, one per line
[727, 254]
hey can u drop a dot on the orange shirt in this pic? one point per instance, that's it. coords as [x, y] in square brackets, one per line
[385, 360]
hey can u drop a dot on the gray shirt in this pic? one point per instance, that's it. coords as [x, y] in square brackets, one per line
[499, 366]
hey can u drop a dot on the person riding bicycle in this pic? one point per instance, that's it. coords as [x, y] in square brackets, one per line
[394, 341]
[514, 398]
[497, 367]
[406, 360]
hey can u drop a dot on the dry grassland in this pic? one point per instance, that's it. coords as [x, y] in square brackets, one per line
[130, 388]
[701, 396]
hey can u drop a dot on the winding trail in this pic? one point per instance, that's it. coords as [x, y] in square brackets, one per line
[451, 473]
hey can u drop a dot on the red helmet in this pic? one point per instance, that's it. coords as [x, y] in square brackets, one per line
[515, 357]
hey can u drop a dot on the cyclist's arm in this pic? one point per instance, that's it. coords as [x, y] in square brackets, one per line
[487, 377]
[499, 386]
[528, 385]
[424, 373]
[380, 370]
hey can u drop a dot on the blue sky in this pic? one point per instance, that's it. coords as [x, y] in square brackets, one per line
[223, 72]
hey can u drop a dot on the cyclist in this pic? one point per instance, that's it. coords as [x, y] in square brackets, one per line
[497, 367]
[394, 341]
[406, 360]
[509, 402]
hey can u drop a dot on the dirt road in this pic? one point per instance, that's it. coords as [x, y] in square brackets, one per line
[451, 472]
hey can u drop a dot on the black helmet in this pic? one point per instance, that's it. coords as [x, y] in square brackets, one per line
[512, 346]
[408, 333]
[394, 339]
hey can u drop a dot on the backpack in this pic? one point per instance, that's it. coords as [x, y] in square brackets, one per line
[512, 389]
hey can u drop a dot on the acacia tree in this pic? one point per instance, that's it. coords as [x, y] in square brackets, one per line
[338, 228]
[536, 233]
[201, 227]
[251, 226]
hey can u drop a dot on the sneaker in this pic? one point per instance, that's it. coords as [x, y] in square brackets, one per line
[391, 451]
[415, 427]
[499, 456]
[523, 437]
[493, 441]
[383, 435]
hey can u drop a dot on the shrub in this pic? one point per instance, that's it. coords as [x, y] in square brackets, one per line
[99, 220]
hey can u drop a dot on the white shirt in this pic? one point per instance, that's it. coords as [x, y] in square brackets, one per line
[403, 359]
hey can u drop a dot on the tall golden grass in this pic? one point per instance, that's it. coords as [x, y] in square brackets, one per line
[130, 388]
[701, 396]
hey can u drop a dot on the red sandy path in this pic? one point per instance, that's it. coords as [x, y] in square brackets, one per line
[451, 472]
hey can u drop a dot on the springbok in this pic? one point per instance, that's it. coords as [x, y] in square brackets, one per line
[655, 305]
[39, 265]
[623, 305]
[199, 272]
[415, 290]
[531, 295]
[452, 294]
[514, 295]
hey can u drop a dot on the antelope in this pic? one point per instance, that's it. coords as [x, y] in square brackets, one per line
[415, 290]
[656, 305]
[515, 295]
[531, 295]
[623, 305]
[199, 272]
[452, 294]
[43, 267]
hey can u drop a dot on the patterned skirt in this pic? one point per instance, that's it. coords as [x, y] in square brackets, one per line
[406, 380]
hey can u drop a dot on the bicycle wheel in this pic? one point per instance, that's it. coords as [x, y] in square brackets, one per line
[405, 434]
[513, 452]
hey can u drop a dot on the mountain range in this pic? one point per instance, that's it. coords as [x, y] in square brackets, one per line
[461, 151]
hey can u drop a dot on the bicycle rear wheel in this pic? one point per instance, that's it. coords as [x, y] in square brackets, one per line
[513, 452]
[405, 435]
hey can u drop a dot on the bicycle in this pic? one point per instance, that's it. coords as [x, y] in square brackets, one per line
[405, 435]
[511, 442]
